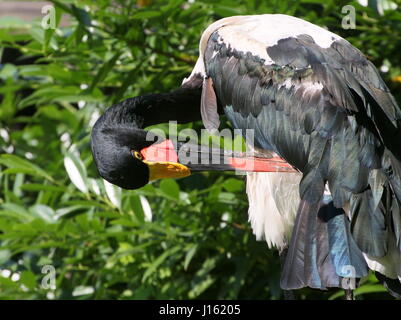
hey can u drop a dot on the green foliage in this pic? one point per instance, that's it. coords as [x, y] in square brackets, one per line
[172, 239]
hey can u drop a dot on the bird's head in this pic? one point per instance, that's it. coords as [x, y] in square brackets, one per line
[126, 156]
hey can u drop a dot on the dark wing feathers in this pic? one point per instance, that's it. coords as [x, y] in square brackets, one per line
[368, 224]
[396, 219]
[313, 181]
[329, 114]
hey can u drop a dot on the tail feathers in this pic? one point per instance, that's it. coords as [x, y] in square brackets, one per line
[327, 270]
[300, 265]
[311, 273]
[293, 274]
[322, 251]
[346, 256]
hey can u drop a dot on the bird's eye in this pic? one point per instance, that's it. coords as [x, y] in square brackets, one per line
[137, 154]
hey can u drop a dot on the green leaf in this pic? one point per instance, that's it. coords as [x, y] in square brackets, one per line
[147, 211]
[43, 212]
[157, 262]
[17, 163]
[28, 279]
[5, 36]
[113, 193]
[76, 171]
[8, 71]
[170, 188]
[50, 31]
[104, 70]
[5, 255]
[190, 254]
[82, 16]
[15, 211]
[136, 206]
[42, 187]
[233, 185]
[146, 14]
[83, 290]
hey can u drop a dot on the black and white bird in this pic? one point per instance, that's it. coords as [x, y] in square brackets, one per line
[313, 100]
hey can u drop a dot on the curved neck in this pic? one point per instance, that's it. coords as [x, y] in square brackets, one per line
[181, 105]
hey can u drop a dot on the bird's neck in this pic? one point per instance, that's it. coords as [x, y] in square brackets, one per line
[181, 105]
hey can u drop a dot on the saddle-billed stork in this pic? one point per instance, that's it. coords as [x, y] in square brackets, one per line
[315, 101]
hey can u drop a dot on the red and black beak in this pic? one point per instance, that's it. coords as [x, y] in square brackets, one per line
[166, 160]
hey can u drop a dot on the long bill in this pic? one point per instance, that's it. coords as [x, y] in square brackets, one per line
[168, 160]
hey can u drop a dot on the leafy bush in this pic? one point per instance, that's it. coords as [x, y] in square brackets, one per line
[171, 239]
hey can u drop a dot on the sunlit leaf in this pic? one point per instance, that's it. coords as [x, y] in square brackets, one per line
[43, 212]
[82, 290]
[76, 171]
[147, 211]
[113, 193]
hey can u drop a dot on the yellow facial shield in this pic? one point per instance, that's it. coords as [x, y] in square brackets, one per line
[165, 169]
[162, 161]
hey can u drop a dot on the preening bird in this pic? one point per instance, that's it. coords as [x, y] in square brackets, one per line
[313, 100]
